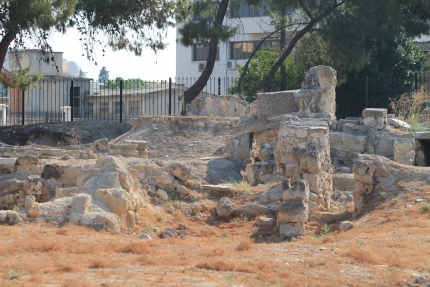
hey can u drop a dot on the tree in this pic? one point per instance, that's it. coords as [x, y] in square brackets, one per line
[259, 66]
[127, 84]
[120, 24]
[103, 75]
[348, 21]
[204, 25]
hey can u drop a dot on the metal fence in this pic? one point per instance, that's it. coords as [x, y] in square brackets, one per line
[357, 94]
[64, 99]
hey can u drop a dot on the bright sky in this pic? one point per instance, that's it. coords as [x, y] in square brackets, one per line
[149, 66]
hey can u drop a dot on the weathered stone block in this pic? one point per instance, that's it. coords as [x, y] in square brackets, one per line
[404, 151]
[276, 103]
[292, 229]
[295, 189]
[292, 211]
[375, 118]
[27, 160]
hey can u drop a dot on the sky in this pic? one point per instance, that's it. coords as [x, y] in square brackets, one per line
[149, 66]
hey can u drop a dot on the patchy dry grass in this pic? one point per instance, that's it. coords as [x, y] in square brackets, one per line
[383, 248]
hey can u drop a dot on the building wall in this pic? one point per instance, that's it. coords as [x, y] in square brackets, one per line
[40, 63]
[249, 29]
[135, 104]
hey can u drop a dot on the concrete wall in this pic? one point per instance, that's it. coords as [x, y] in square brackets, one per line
[39, 62]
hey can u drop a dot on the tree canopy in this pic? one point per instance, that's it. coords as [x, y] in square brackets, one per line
[345, 24]
[259, 66]
[120, 24]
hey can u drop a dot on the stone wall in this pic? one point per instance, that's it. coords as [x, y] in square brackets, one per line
[378, 174]
[303, 151]
[216, 106]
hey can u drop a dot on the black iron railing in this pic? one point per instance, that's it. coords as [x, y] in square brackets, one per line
[65, 99]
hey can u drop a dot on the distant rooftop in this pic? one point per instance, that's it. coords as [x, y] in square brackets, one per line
[424, 45]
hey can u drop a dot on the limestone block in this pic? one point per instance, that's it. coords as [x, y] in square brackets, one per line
[265, 222]
[375, 118]
[315, 182]
[179, 170]
[182, 190]
[27, 160]
[242, 148]
[317, 94]
[65, 192]
[208, 105]
[81, 203]
[115, 199]
[295, 210]
[309, 159]
[254, 209]
[296, 133]
[102, 145]
[292, 230]
[162, 195]
[404, 151]
[274, 194]
[312, 208]
[225, 208]
[343, 181]
[276, 103]
[255, 172]
[295, 189]
[398, 123]
[14, 217]
[29, 202]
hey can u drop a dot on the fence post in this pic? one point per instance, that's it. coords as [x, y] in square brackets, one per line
[23, 108]
[219, 86]
[121, 85]
[416, 81]
[72, 91]
[366, 94]
[170, 96]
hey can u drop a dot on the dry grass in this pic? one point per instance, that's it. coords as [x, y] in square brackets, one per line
[382, 249]
[411, 108]
[245, 245]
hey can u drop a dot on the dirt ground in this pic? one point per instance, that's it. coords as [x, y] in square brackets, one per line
[388, 246]
[63, 133]
[200, 142]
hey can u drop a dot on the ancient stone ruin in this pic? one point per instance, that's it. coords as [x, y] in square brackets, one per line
[290, 140]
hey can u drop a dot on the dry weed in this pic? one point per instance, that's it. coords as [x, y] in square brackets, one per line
[135, 248]
[245, 245]
[33, 213]
[412, 108]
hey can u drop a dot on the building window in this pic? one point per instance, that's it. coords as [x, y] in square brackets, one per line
[134, 107]
[104, 107]
[242, 50]
[201, 51]
[117, 107]
[240, 9]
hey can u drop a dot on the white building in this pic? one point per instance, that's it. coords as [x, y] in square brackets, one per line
[253, 25]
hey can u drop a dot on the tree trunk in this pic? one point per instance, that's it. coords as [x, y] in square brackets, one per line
[4, 45]
[283, 69]
[294, 40]
[248, 61]
[198, 86]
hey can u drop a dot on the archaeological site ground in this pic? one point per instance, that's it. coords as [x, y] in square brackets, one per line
[275, 193]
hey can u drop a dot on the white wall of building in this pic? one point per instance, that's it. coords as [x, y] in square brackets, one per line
[40, 63]
[249, 29]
